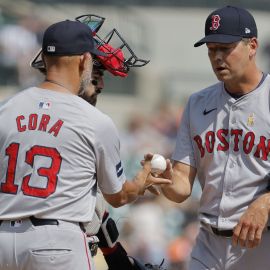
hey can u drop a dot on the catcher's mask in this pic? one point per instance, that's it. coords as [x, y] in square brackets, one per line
[38, 63]
[94, 22]
[120, 56]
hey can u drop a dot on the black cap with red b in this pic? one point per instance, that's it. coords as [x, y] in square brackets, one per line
[228, 25]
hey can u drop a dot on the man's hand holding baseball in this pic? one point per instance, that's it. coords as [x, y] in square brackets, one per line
[154, 179]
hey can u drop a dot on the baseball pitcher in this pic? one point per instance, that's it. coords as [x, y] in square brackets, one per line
[223, 140]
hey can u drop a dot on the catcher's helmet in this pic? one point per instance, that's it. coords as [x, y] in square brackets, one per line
[120, 57]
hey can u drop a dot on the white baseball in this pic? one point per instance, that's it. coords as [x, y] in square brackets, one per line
[158, 164]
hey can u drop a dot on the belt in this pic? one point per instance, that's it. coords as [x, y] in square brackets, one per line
[226, 233]
[38, 221]
[44, 221]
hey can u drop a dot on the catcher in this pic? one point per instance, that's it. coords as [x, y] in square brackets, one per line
[102, 232]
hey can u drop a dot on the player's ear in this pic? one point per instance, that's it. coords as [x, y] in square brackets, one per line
[253, 44]
[85, 61]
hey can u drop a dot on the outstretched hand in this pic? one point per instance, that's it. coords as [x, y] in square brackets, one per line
[154, 179]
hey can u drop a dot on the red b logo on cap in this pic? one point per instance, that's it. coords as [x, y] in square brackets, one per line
[215, 22]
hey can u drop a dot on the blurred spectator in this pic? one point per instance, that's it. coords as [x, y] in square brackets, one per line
[165, 120]
[18, 45]
[138, 139]
[155, 133]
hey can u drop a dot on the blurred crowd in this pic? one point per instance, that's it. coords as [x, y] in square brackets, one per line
[152, 228]
[19, 42]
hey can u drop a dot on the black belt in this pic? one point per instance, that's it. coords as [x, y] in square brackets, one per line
[39, 221]
[44, 221]
[226, 233]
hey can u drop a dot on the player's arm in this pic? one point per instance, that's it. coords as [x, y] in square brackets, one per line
[183, 176]
[132, 189]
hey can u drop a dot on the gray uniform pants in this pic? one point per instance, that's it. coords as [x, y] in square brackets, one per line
[24, 246]
[212, 252]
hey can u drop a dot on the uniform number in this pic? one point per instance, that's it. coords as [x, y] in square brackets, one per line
[50, 173]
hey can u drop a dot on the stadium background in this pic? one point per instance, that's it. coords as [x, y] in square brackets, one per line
[146, 106]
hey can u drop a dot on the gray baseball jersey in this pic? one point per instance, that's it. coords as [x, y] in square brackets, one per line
[54, 147]
[228, 141]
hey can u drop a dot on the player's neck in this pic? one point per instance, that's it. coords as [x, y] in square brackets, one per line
[62, 86]
[245, 85]
[61, 83]
[55, 86]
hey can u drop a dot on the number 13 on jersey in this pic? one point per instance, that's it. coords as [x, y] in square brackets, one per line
[49, 174]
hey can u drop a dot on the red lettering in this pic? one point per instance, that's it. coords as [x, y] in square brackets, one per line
[9, 186]
[215, 22]
[223, 145]
[236, 133]
[56, 128]
[32, 123]
[248, 142]
[210, 141]
[36, 122]
[48, 174]
[45, 119]
[198, 140]
[20, 127]
[261, 147]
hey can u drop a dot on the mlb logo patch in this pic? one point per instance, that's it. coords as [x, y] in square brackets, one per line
[44, 105]
[247, 31]
[50, 48]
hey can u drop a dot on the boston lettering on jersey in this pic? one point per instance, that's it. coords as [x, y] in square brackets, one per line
[38, 122]
[219, 141]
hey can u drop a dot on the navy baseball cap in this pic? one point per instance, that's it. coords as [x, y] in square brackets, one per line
[69, 38]
[227, 25]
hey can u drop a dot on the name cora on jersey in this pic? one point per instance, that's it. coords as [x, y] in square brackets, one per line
[223, 139]
[39, 122]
